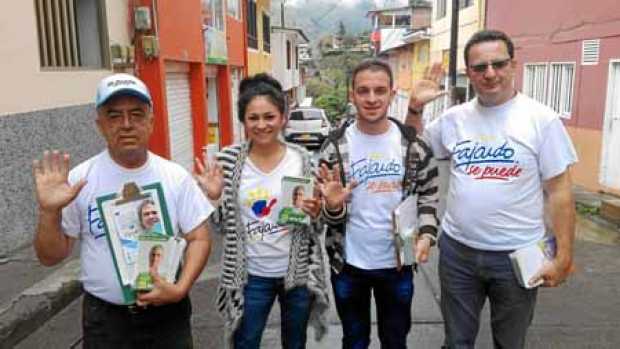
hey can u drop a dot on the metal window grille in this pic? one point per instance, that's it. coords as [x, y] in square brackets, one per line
[535, 81]
[561, 77]
[57, 29]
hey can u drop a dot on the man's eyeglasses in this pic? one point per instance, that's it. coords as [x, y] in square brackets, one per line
[497, 65]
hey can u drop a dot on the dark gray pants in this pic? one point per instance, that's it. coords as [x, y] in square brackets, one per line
[468, 276]
[107, 325]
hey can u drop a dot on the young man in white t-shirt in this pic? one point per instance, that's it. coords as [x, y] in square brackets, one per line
[68, 212]
[505, 150]
[382, 162]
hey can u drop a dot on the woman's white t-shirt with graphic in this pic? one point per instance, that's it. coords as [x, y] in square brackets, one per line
[267, 243]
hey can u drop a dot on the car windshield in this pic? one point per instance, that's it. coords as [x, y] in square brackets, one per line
[310, 114]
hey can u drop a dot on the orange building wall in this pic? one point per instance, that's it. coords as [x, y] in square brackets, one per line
[180, 30]
[225, 98]
[179, 41]
[235, 38]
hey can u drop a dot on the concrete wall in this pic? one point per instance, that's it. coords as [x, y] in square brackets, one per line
[23, 137]
[41, 109]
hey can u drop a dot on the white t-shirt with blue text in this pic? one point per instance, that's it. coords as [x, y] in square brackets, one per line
[187, 207]
[376, 165]
[499, 158]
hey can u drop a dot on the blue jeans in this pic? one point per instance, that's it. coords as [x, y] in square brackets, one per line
[393, 292]
[468, 276]
[259, 295]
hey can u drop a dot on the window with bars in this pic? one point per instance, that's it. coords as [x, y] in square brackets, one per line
[535, 81]
[72, 33]
[266, 33]
[560, 98]
[252, 27]
[441, 9]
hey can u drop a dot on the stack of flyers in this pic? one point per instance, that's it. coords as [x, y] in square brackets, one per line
[141, 237]
[528, 261]
[157, 254]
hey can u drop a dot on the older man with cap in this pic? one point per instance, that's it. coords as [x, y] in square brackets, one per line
[68, 211]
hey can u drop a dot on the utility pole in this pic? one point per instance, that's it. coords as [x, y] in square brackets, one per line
[454, 43]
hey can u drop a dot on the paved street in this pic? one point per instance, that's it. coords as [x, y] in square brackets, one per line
[581, 314]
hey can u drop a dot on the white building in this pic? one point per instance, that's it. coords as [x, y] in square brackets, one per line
[285, 61]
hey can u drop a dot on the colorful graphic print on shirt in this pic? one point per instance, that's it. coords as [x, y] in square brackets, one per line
[262, 204]
[487, 158]
[378, 173]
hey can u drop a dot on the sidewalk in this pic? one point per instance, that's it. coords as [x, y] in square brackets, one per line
[31, 293]
[584, 312]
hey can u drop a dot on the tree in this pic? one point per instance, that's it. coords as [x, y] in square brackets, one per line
[342, 31]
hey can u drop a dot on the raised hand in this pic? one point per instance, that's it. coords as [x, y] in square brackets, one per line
[332, 189]
[50, 178]
[210, 179]
[428, 88]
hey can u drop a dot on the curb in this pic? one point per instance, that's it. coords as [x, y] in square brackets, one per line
[37, 304]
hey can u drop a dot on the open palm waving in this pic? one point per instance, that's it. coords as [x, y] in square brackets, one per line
[52, 188]
[331, 187]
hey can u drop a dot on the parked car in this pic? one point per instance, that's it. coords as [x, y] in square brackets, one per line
[308, 126]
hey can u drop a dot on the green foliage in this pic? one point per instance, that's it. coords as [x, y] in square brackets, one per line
[334, 102]
[342, 31]
[329, 88]
[316, 87]
[587, 209]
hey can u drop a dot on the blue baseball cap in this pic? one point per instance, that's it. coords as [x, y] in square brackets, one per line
[121, 85]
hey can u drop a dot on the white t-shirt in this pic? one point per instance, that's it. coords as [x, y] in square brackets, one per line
[187, 208]
[499, 158]
[268, 244]
[376, 165]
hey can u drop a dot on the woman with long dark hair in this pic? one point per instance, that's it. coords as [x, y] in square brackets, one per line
[262, 259]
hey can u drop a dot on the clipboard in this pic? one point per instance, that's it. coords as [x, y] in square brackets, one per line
[122, 224]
